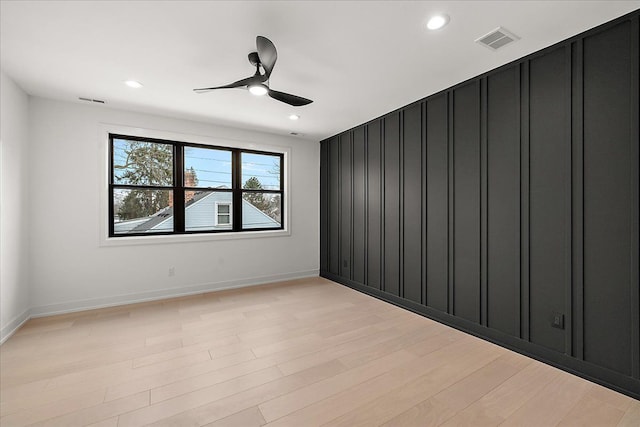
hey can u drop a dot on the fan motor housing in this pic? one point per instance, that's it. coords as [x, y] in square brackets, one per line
[254, 59]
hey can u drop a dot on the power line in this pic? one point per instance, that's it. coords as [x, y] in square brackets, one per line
[208, 158]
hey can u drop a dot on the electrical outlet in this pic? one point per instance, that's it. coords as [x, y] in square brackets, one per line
[172, 271]
[558, 320]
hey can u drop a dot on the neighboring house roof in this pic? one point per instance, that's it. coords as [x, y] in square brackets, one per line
[199, 215]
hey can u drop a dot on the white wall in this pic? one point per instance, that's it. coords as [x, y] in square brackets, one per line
[71, 270]
[14, 202]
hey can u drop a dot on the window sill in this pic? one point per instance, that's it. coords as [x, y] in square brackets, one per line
[190, 238]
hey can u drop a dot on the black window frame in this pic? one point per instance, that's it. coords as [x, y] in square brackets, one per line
[179, 188]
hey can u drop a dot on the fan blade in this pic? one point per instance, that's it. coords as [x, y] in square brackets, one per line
[239, 83]
[267, 53]
[296, 101]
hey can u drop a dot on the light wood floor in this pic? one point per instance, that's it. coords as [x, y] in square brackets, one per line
[302, 353]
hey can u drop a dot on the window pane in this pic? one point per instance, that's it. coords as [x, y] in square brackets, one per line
[205, 167]
[260, 171]
[142, 163]
[207, 210]
[142, 211]
[261, 210]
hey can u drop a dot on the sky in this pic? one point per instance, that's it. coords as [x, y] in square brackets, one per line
[213, 167]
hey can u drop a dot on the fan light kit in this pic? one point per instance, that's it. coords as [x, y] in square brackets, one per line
[258, 90]
[437, 21]
[258, 84]
[134, 84]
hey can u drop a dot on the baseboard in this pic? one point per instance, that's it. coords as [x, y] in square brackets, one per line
[94, 303]
[14, 325]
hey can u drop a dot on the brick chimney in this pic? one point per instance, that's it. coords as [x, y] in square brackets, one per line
[189, 181]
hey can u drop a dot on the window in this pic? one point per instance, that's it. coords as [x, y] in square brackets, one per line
[223, 214]
[172, 187]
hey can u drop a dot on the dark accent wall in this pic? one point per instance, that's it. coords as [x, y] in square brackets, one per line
[505, 203]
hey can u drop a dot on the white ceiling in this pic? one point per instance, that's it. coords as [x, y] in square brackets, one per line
[357, 60]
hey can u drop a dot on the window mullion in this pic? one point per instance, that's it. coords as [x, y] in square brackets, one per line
[178, 189]
[236, 174]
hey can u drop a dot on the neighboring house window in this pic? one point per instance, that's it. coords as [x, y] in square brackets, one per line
[172, 187]
[223, 214]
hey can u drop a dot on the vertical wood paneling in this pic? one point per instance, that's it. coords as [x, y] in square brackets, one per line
[324, 206]
[634, 53]
[392, 204]
[401, 205]
[374, 204]
[345, 205]
[450, 205]
[358, 200]
[525, 305]
[334, 206]
[484, 263]
[423, 197]
[608, 165]
[437, 203]
[466, 153]
[568, 291]
[577, 207]
[503, 201]
[549, 168]
[412, 212]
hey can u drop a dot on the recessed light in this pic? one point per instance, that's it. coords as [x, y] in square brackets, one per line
[294, 117]
[134, 84]
[437, 21]
[258, 90]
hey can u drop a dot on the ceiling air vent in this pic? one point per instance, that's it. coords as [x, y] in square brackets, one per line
[497, 38]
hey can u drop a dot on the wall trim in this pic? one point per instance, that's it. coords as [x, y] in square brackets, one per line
[114, 301]
[15, 324]
[613, 380]
[94, 303]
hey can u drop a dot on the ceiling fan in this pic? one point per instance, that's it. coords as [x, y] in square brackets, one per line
[258, 84]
